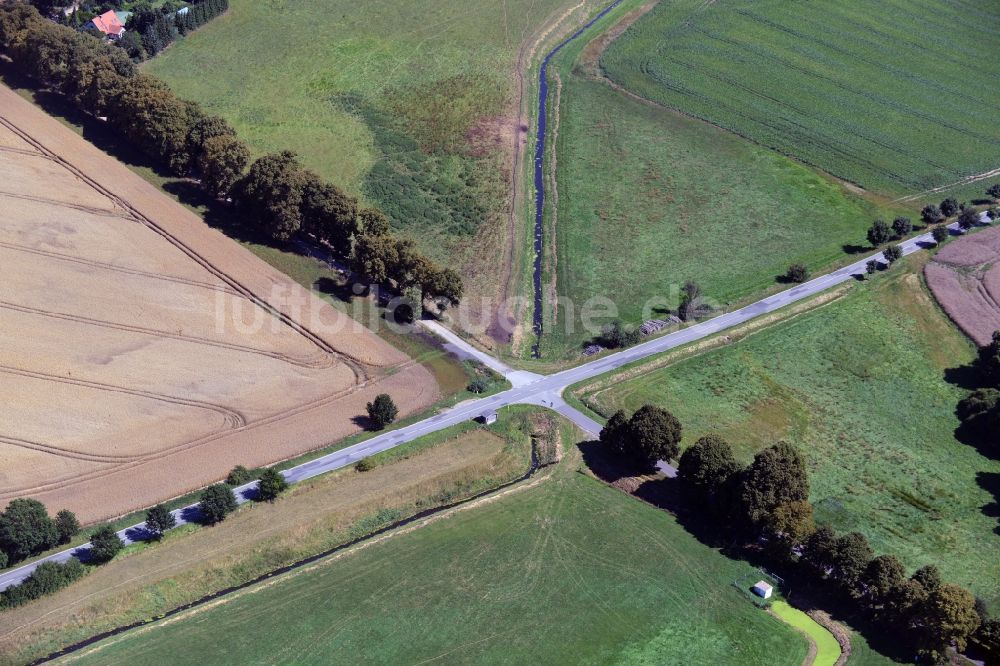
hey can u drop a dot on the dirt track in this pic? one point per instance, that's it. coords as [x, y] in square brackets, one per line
[965, 279]
[142, 354]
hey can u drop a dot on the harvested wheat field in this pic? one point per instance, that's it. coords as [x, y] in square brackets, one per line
[965, 279]
[143, 354]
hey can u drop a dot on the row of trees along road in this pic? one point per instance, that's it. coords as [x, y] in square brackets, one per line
[967, 217]
[278, 198]
[26, 529]
[765, 508]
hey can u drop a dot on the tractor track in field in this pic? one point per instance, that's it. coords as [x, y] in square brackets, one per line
[318, 361]
[356, 366]
[231, 417]
[123, 463]
[103, 212]
[119, 269]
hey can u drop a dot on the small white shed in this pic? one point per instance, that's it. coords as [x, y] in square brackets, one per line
[762, 589]
[489, 418]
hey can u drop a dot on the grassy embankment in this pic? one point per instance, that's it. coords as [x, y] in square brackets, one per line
[860, 385]
[649, 198]
[565, 571]
[310, 518]
[410, 105]
[823, 85]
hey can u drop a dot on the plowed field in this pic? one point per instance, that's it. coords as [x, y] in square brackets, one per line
[965, 279]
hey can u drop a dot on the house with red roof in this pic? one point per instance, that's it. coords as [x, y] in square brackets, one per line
[108, 24]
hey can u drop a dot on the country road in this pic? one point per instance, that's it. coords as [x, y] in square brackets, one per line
[528, 388]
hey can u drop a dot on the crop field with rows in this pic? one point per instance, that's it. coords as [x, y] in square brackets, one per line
[893, 95]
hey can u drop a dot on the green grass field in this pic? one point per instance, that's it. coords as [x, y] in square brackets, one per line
[896, 96]
[570, 571]
[827, 647]
[649, 198]
[859, 386]
[406, 103]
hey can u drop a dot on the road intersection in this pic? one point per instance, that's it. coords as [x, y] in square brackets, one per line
[526, 388]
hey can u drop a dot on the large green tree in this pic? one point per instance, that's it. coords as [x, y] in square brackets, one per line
[988, 361]
[442, 285]
[706, 469]
[820, 550]
[222, 161]
[272, 483]
[26, 529]
[614, 433]
[882, 578]
[929, 577]
[654, 434]
[776, 476]
[691, 301]
[66, 525]
[931, 214]
[217, 502]
[949, 617]
[104, 544]
[968, 218]
[949, 206]
[204, 128]
[270, 195]
[329, 214]
[879, 233]
[159, 520]
[156, 120]
[382, 411]
[851, 557]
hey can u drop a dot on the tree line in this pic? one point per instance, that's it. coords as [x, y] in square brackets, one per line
[26, 529]
[966, 214]
[276, 196]
[764, 507]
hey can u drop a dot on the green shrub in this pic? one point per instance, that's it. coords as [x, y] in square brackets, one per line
[105, 544]
[365, 465]
[67, 525]
[479, 385]
[272, 484]
[240, 475]
[47, 578]
[797, 273]
[216, 503]
[382, 411]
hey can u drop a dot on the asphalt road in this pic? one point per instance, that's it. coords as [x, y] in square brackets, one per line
[528, 388]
